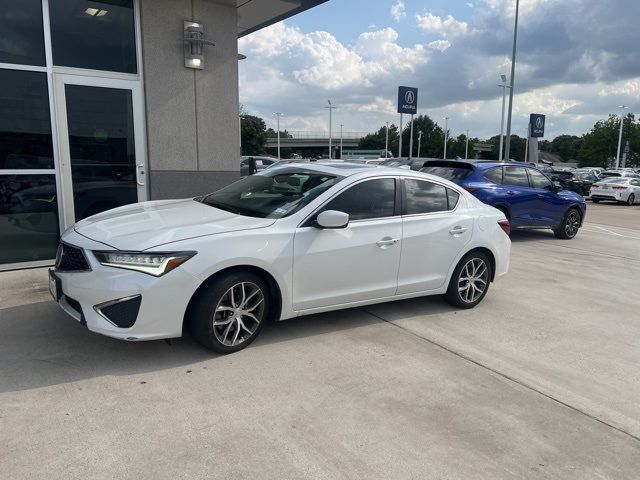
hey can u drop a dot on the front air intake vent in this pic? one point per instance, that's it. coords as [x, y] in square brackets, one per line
[122, 312]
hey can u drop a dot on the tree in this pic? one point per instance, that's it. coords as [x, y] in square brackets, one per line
[565, 146]
[599, 146]
[285, 152]
[432, 144]
[253, 134]
[377, 140]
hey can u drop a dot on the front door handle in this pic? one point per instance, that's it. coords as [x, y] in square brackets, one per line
[458, 230]
[139, 171]
[386, 242]
[511, 192]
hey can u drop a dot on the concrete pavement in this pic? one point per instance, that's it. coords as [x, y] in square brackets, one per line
[539, 381]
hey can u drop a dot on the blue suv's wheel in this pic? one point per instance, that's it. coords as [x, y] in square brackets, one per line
[570, 225]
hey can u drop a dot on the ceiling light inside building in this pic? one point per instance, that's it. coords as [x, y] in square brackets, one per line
[96, 12]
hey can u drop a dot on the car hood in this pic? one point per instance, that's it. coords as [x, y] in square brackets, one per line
[141, 226]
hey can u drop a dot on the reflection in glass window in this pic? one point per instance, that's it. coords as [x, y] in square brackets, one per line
[425, 197]
[98, 35]
[494, 175]
[21, 32]
[25, 124]
[516, 176]
[539, 180]
[28, 218]
[366, 200]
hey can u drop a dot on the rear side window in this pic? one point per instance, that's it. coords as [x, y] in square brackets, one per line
[428, 197]
[516, 176]
[449, 173]
[494, 175]
[367, 200]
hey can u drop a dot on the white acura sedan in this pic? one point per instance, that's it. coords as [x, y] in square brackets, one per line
[289, 241]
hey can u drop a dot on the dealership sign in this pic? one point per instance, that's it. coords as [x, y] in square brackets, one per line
[407, 100]
[536, 123]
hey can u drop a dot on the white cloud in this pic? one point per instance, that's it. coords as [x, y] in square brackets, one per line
[398, 10]
[449, 27]
[440, 45]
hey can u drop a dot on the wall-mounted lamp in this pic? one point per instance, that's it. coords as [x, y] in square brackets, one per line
[194, 43]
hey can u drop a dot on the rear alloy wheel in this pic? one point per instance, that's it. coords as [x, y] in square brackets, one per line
[470, 281]
[569, 226]
[228, 315]
[631, 200]
[595, 200]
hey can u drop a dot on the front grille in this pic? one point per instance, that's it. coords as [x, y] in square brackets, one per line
[122, 312]
[71, 259]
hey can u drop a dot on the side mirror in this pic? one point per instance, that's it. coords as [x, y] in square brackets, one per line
[557, 187]
[332, 219]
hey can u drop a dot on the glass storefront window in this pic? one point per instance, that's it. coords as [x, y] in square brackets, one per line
[21, 32]
[28, 218]
[98, 35]
[25, 124]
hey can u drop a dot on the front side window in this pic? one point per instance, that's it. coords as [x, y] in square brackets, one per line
[93, 34]
[538, 180]
[271, 194]
[516, 176]
[21, 32]
[366, 200]
[25, 124]
[425, 197]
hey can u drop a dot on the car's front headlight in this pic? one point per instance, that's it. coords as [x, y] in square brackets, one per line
[156, 263]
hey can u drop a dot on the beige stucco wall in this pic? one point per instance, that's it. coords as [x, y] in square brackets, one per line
[192, 115]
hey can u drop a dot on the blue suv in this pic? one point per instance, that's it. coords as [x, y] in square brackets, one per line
[526, 196]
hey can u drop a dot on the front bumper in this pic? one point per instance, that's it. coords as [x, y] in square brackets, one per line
[162, 300]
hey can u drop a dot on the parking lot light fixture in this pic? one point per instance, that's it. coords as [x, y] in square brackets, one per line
[446, 136]
[466, 145]
[341, 125]
[622, 107]
[386, 142]
[419, 141]
[278, 115]
[504, 87]
[331, 108]
[511, 80]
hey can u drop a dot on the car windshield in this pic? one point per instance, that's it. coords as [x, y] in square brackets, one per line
[449, 173]
[273, 193]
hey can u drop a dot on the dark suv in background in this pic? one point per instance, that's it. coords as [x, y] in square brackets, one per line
[528, 198]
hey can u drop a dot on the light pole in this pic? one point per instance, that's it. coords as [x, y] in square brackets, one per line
[446, 136]
[504, 87]
[386, 142]
[466, 145]
[240, 129]
[341, 125]
[331, 108]
[513, 74]
[620, 136]
[278, 115]
[419, 141]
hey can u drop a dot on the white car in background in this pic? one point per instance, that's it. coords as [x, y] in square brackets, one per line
[617, 189]
[288, 241]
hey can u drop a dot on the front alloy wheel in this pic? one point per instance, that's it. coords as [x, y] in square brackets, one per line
[631, 199]
[470, 281]
[229, 312]
[570, 225]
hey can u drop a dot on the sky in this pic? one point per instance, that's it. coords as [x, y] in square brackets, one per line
[577, 60]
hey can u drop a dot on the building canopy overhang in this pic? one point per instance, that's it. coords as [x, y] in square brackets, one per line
[256, 14]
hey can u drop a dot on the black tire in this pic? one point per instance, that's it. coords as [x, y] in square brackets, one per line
[459, 288]
[215, 304]
[595, 200]
[631, 200]
[570, 225]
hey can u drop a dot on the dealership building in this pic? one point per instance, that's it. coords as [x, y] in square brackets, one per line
[104, 103]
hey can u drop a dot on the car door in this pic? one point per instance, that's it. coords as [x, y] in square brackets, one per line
[634, 186]
[549, 207]
[434, 232]
[521, 198]
[352, 264]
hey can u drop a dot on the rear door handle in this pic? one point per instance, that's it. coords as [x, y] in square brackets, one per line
[511, 192]
[386, 242]
[458, 230]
